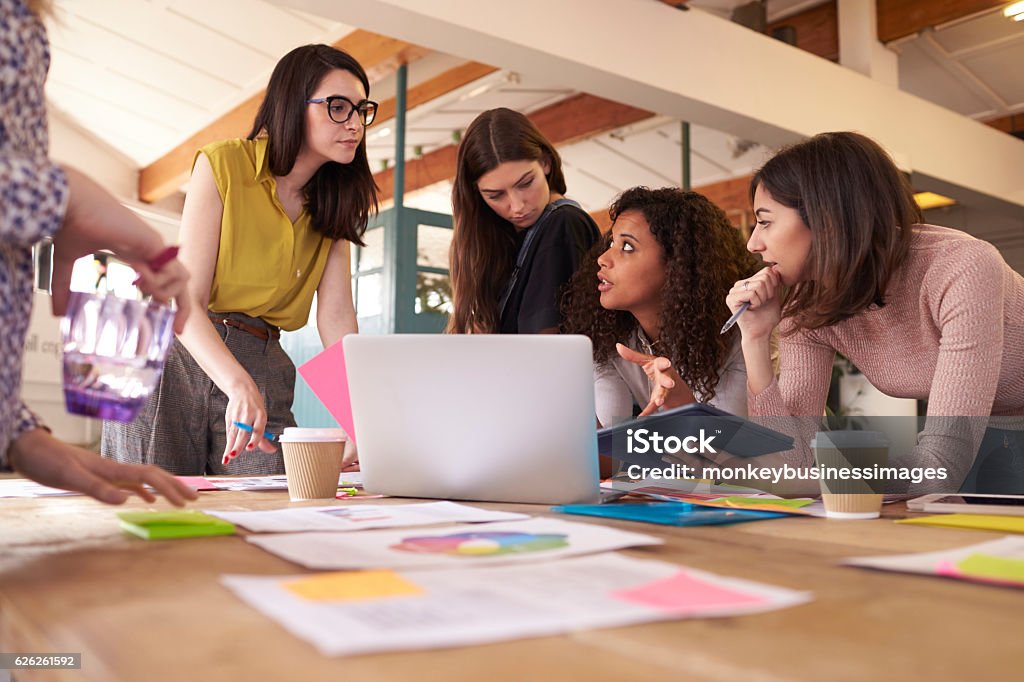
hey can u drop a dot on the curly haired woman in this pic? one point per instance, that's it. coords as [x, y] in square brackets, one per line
[649, 297]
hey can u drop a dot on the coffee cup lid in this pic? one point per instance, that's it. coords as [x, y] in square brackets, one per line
[299, 434]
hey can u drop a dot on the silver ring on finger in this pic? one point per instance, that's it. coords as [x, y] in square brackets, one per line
[746, 284]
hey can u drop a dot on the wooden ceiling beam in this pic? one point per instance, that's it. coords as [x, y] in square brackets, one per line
[575, 118]
[1014, 123]
[729, 195]
[378, 54]
[900, 18]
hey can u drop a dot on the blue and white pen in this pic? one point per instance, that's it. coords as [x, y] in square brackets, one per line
[735, 316]
[248, 429]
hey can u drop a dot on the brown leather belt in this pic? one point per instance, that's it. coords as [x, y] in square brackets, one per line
[261, 333]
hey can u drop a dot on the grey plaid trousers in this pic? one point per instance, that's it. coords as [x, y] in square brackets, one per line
[181, 427]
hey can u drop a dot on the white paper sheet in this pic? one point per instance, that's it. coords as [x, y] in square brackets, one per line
[361, 517]
[253, 483]
[496, 543]
[945, 562]
[459, 607]
[23, 487]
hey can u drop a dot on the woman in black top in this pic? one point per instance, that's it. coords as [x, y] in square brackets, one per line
[517, 239]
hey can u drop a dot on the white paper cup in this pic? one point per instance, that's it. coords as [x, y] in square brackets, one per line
[312, 462]
[846, 450]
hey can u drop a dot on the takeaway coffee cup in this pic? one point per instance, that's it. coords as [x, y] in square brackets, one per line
[846, 461]
[312, 461]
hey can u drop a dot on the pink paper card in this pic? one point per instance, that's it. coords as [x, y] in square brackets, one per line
[328, 379]
[683, 593]
[197, 482]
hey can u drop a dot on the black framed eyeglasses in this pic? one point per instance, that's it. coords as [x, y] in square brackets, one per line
[340, 108]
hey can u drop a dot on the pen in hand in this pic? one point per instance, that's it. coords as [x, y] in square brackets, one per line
[248, 429]
[735, 316]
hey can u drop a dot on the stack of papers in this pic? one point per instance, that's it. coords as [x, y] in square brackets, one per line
[361, 517]
[382, 610]
[23, 487]
[999, 562]
[253, 483]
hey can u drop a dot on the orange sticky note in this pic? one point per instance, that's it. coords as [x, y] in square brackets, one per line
[352, 586]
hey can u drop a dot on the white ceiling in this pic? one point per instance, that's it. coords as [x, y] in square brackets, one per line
[145, 76]
[971, 67]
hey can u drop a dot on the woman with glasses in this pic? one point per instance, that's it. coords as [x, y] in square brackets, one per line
[267, 224]
[517, 239]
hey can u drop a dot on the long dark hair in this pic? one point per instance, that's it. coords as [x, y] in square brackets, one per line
[339, 197]
[483, 244]
[703, 255]
[860, 210]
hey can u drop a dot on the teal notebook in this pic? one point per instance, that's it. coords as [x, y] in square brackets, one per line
[163, 525]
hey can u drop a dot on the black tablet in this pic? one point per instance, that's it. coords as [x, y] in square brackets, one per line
[693, 427]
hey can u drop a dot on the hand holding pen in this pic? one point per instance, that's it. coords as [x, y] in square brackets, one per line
[246, 419]
[248, 429]
[760, 295]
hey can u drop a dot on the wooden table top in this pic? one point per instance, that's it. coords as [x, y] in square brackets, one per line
[71, 581]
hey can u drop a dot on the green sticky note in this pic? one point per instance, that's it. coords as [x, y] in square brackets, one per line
[761, 502]
[162, 525]
[990, 567]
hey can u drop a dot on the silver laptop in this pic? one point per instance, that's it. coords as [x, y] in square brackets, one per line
[500, 418]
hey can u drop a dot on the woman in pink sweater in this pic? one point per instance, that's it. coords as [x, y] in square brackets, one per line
[924, 312]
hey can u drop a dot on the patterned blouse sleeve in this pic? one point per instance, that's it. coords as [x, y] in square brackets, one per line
[24, 420]
[33, 198]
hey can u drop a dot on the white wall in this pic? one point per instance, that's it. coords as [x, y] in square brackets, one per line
[74, 146]
[1002, 231]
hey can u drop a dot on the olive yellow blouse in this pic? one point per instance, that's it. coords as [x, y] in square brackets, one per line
[267, 266]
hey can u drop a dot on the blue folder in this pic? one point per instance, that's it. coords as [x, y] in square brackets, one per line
[667, 513]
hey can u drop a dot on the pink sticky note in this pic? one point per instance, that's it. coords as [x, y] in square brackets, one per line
[197, 482]
[683, 593]
[328, 379]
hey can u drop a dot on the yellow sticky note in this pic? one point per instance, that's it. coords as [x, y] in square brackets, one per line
[352, 586]
[760, 502]
[1003, 524]
[996, 568]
